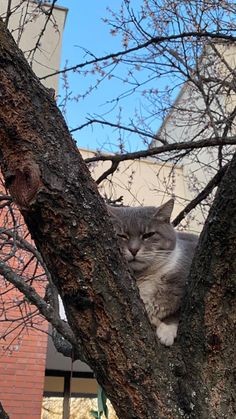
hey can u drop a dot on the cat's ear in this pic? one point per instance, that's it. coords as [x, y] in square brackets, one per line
[164, 212]
[114, 218]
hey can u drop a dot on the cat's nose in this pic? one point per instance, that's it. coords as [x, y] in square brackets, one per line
[134, 251]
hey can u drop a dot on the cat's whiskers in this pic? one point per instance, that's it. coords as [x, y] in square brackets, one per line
[155, 254]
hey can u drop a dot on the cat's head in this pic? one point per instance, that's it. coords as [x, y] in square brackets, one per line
[145, 234]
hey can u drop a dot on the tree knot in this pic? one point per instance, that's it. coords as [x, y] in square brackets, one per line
[24, 183]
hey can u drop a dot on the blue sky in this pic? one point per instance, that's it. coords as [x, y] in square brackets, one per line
[85, 28]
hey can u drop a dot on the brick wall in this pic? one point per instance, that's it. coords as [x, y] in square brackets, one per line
[23, 337]
[22, 368]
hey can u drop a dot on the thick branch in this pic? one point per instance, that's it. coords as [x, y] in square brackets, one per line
[186, 145]
[64, 347]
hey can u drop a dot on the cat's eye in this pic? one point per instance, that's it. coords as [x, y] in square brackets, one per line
[147, 235]
[122, 236]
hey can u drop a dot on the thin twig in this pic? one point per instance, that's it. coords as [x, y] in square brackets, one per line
[45, 309]
[118, 126]
[9, 12]
[202, 195]
[155, 40]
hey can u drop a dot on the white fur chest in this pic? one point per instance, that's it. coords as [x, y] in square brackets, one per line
[148, 289]
[154, 280]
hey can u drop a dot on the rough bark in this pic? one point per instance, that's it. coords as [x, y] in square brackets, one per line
[208, 375]
[51, 184]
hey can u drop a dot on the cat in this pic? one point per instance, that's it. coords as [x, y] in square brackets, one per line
[159, 258]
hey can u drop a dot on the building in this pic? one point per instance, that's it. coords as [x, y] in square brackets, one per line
[37, 34]
[204, 109]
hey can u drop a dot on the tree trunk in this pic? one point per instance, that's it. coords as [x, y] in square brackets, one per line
[52, 186]
[208, 380]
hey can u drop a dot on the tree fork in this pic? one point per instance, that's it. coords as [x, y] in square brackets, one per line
[66, 217]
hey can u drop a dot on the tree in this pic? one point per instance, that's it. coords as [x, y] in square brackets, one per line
[77, 265]
[87, 271]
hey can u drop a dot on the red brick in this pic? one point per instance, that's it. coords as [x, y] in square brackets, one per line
[22, 372]
[22, 377]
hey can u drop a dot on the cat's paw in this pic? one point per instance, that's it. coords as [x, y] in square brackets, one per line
[167, 333]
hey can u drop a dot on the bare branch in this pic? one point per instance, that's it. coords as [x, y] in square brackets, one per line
[48, 14]
[191, 145]
[152, 41]
[125, 128]
[25, 245]
[8, 12]
[45, 309]
[63, 346]
[202, 195]
[108, 172]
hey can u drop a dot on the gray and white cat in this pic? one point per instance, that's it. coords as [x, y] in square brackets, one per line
[160, 259]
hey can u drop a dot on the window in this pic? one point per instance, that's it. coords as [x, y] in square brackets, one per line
[70, 396]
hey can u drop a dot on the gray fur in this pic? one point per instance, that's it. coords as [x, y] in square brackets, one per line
[160, 259]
